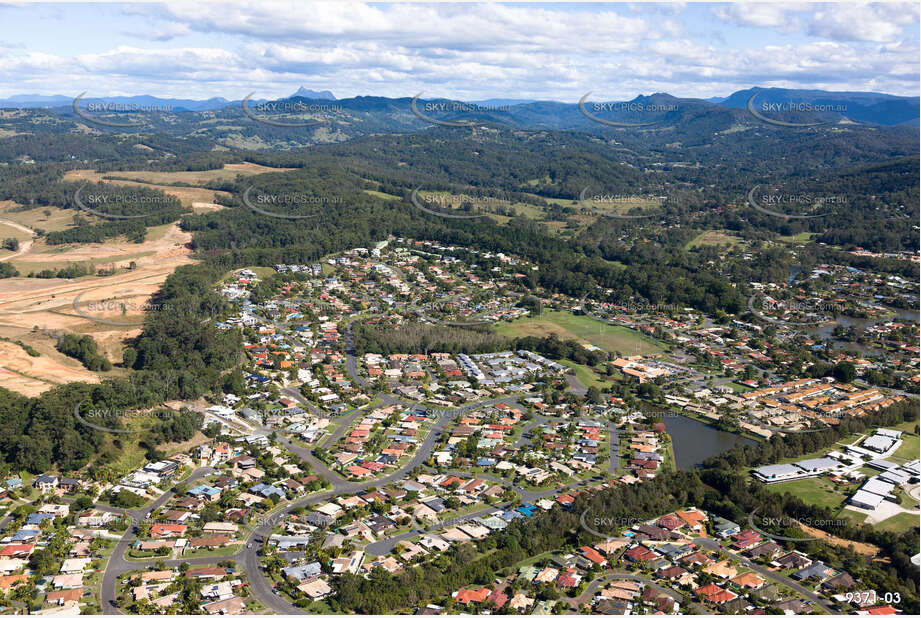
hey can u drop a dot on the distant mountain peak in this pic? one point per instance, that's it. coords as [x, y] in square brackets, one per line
[314, 94]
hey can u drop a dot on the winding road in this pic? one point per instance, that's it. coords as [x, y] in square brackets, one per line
[249, 555]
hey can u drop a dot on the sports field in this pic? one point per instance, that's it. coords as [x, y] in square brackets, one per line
[610, 338]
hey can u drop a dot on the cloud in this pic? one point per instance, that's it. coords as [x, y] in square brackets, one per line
[878, 23]
[479, 50]
[775, 15]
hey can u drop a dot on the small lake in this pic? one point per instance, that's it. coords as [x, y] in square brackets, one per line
[693, 441]
[825, 331]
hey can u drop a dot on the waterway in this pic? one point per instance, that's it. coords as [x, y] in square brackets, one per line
[825, 332]
[694, 441]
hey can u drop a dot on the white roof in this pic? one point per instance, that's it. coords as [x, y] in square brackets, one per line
[889, 433]
[878, 443]
[878, 487]
[865, 498]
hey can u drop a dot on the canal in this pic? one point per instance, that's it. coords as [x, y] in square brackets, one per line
[694, 441]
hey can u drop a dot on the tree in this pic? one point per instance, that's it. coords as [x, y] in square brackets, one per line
[844, 372]
[593, 394]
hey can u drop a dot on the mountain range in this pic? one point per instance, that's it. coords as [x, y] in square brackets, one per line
[865, 107]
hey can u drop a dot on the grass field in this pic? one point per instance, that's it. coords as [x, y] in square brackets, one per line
[8, 231]
[817, 491]
[196, 178]
[712, 238]
[585, 375]
[797, 238]
[383, 196]
[739, 388]
[898, 523]
[47, 218]
[909, 448]
[583, 329]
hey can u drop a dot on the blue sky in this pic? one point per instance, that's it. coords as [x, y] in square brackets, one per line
[466, 51]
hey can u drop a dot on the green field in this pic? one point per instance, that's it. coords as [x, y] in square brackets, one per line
[739, 388]
[713, 238]
[36, 218]
[818, 491]
[797, 238]
[585, 375]
[383, 196]
[898, 523]
[610, 338]
[909, 448]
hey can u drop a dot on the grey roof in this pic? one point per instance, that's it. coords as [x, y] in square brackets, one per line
[777, 470]
[819, 463]
[302, 571]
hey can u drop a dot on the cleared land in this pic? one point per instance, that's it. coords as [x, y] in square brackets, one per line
[818, 491]
[586, 375]
[36, 310]
[194, 195]
[865, 549]
[713, 238]
[197, 178]
[32, 376]
[585, 330]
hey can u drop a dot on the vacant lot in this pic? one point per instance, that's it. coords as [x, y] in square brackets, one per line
[35, 310]
[194, 195]
[818, 491]
[865, 549]
[48, 218]
[32, 376]
[611, 338]
[713, 238]
[187, 196]
[199, 178]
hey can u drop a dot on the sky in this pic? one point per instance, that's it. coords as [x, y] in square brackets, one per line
[544, 51]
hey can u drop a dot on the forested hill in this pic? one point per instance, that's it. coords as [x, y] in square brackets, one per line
[659, 118]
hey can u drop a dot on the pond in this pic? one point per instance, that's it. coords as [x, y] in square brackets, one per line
[825, 332]
[694, 441]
